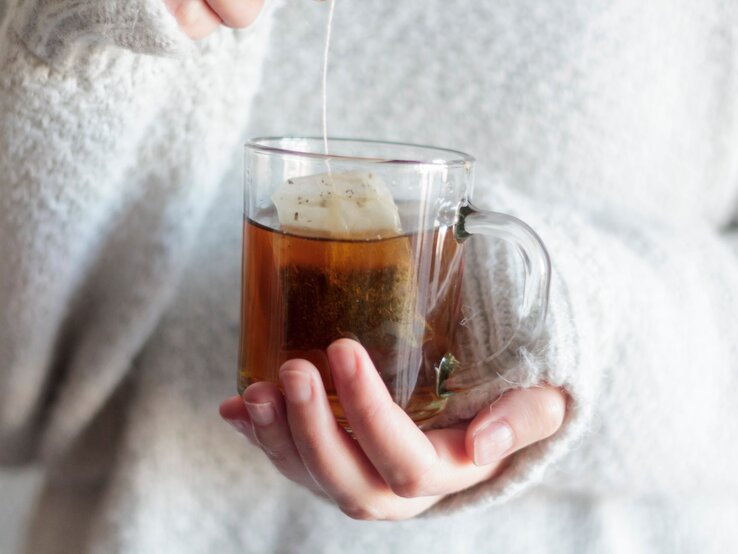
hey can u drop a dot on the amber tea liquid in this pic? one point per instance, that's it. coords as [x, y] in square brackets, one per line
[398, 296]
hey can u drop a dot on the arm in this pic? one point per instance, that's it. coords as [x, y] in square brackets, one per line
[636, 306]
[643, 334]
[100, 196]
[58, 31]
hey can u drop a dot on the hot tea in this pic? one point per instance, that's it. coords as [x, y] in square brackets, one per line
[365, 242]
[301, 293]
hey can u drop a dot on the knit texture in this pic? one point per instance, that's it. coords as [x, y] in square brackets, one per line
[57, 31]
[607, 126]
[93, 210]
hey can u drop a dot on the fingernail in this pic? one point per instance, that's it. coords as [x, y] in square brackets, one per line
[261, 414]
[239, 425]
[297, 386]
[492, 442]
[343, 361]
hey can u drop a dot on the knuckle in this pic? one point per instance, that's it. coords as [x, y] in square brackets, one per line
[361, 512]
[413, 486]
[362, 411]
[367, 411]
[409, 489]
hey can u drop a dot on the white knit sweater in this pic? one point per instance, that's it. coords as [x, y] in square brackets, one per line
[609, 126]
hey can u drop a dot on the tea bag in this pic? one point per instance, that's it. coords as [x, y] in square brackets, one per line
[352, 204]
[365, 290]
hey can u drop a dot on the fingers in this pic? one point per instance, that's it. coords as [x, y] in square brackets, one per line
[411, 462]
[265, 406]
[519, 418]
[195, 17]
[237, 13]
[307, 446]
[392, 470]
[233, 411]
[333, 459]
[199, 18]
[384, 431]
[336, 461]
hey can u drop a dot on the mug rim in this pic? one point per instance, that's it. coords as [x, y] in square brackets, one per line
[456, 157]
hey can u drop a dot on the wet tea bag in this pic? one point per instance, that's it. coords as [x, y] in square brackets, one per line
[364, 289]
[352, 204]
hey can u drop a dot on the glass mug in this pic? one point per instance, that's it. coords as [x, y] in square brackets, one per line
[397, 293]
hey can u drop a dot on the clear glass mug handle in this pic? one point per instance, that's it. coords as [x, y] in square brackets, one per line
[537, 271]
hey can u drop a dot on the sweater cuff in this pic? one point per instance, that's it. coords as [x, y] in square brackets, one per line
[58, 30]
[490, 300]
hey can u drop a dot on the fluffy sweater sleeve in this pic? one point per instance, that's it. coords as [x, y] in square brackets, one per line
[108, 161]
[94, 227]
[56, 30]
[642, 334]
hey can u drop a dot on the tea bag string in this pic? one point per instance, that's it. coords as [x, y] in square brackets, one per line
[335, 212]
[328, 33]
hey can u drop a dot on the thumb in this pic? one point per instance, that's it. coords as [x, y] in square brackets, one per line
[519, 418]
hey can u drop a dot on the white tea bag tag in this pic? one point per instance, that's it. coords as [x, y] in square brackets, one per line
[353, 204]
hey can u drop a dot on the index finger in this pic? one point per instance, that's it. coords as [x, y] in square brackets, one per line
[401, 453]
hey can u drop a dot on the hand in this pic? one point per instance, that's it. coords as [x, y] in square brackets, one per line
[199, 18]
[393, 470]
